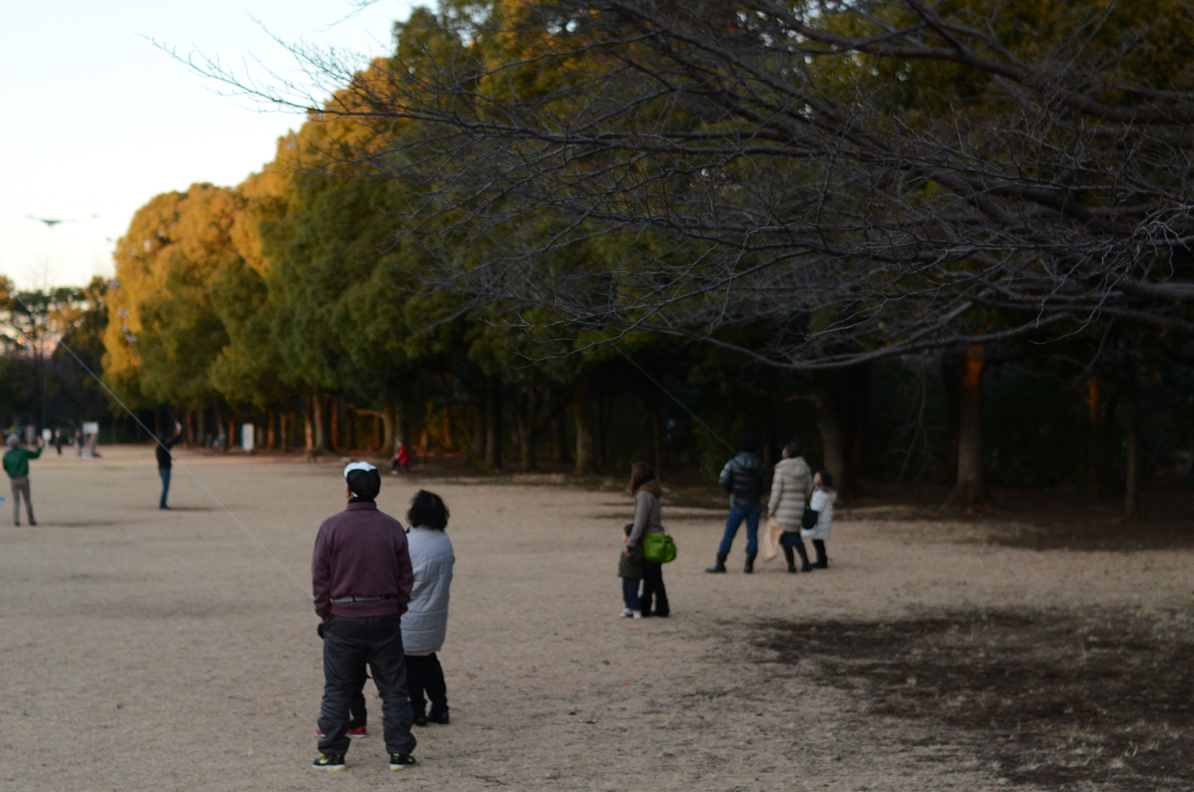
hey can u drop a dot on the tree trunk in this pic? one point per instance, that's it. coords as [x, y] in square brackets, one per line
[770, 434]
[493, 424]
[1131, 404]
[858, 385]
[334, 418]
[970, 486]
[221, 438]
[833, 434]
[391, 429]
[585, 463]
[601, 431]
[309, 424]
[271, 438]
[658, 438]
[559, 440]
[322, 407]
[425, 438]
[480, 432]
[350, 427]
[313, 416]
[1098, 439]
[525, 417]
[201, 426]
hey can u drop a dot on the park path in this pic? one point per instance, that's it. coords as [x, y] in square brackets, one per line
[148, 650]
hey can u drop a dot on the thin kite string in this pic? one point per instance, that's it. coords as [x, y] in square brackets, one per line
[684, 406]
[181, 464]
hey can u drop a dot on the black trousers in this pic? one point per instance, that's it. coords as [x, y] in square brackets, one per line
[424, 674]
[358, 715]
[653, 590]
[349, 647]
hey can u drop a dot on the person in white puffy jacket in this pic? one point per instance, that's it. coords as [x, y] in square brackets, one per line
[790, 488]
[425, 623]
[821, 502]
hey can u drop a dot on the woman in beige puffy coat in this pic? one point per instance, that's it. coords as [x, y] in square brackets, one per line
[790, 489]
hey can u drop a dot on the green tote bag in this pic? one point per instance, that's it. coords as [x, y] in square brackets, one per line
[658, 548]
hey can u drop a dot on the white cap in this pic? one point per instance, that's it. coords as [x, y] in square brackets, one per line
[357, 466]
[363, 480]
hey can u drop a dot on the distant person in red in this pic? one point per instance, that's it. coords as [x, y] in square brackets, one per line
[401, 460]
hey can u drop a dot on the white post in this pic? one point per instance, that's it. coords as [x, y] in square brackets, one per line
[246, 437]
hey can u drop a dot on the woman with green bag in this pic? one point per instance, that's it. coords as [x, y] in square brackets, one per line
[648, 522]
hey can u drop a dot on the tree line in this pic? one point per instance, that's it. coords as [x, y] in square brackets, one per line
[943, 242]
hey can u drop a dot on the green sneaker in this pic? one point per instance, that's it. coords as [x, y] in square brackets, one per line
[399, 761]
[330, 762]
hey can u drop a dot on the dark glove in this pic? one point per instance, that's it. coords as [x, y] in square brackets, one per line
[319, 630]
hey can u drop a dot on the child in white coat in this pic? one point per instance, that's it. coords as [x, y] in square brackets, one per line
[821, 503]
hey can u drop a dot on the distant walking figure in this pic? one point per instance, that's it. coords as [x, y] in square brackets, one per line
[744, 478]
[165, 462]
[790, 489]
[16, 465]
[648, 518]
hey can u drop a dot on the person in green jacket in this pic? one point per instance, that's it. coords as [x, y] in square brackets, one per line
[16, 465]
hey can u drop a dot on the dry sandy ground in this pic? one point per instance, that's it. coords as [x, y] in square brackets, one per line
[149, 650]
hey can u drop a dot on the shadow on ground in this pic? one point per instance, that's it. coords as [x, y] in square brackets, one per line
[1055, 699]
[1054, 519]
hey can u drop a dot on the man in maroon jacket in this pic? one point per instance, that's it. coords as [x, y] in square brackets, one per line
[361, 579]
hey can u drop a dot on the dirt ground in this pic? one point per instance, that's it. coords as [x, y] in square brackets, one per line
[149, 650]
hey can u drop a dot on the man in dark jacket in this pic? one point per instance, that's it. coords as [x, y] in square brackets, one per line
[165, 461]
[745, 478]
[361, 578]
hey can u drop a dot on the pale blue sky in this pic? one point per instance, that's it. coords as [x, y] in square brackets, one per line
[99, 120]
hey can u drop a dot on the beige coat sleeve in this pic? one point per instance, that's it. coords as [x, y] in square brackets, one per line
[777, 491]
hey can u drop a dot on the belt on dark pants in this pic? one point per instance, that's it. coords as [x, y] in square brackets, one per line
[342, 600]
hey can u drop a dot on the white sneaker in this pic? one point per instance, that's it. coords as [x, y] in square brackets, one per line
[627, 613]
[636, 614]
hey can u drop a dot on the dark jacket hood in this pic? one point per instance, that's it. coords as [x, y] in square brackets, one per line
[748, 461]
